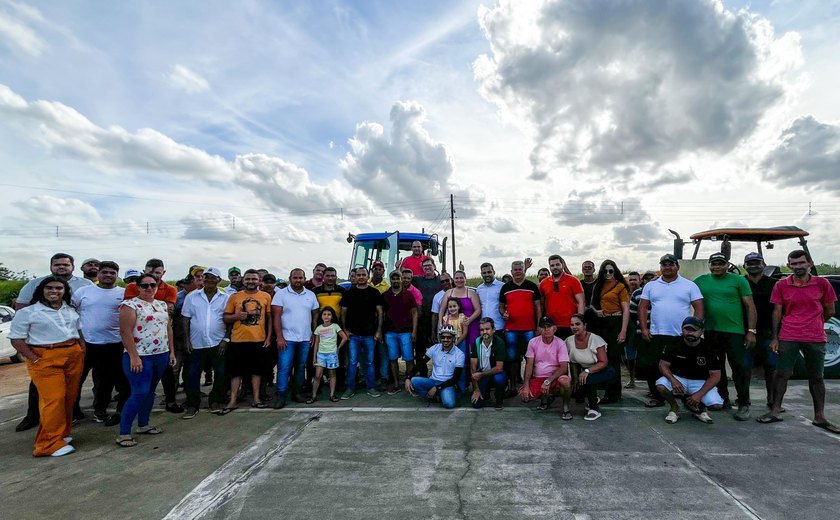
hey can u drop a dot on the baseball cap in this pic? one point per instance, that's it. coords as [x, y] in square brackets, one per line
[90, 261]
[377, 263]
[718, 257]
[234, 269]
[669, 258]
[131, 273]
[546, 321]
[213, 271]
[753, 256]
[693, 322]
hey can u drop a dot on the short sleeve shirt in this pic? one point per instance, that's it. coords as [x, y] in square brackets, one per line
[297, 312]
[588, 356]
[252, 328]
[360, 306]
[547, 356]
[428, 287]
[415, 263]
[330, 298]
[444, 363]
[488, 295]
[560, 301]
[165, 292]
[761, 292]
[498, 352]
[398, 309]
[519, 301]
[41, 325]
[28, 291]
[722, 301]
[670, 304]
[150, 330]
[691, 362]
[327, 338]
[99, 310]
[802, 308]
[612, 298]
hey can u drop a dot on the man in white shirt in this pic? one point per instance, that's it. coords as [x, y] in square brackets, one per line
[99, 310]
[670, 299]
[488, 294]
[204, 330]
[447, 366]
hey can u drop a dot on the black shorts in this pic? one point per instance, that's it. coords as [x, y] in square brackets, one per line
[247, 358]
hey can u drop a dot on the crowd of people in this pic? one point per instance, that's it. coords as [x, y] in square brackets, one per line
[264, 341]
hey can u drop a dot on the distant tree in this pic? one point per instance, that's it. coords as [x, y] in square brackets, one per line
[8, 274]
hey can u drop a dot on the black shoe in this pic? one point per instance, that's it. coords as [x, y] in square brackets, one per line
[208, 381]
[174, 408]
[27, 423]
[100, 417]
[78, 414]
[113, 420]
[609, 400]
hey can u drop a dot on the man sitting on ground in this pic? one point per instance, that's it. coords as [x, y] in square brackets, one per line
[546, 367]
[487, 362]
[690, 370]
[447, 367]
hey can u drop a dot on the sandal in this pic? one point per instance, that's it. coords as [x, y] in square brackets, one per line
[311, 399]
[126, 442]
[150, 430]
[258, 404]
[226, 410]
[767, 419]
[334, 398]
[566, 415]
[827, 426]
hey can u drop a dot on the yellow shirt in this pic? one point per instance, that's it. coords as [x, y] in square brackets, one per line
[252, 328]
[381, 286]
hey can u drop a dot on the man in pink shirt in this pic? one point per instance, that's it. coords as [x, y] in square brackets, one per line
[406, 277]
[415, 261]
[546, 367]
[802, 305]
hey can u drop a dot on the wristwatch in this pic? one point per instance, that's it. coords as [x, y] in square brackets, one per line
[751, 330]
[586, 370]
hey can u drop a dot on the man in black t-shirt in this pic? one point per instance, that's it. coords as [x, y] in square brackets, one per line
[361, 317]
[690, 370]
[762, 288]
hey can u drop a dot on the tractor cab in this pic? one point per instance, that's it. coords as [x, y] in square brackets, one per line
[391, 248]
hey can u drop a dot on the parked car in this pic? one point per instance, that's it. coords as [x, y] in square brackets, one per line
[6, 348]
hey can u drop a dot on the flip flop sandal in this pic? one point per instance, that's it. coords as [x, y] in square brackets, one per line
[334, 398]
[154, 430]
[127, 443]
[566, 415]
[227, 410]
[311, 400]
[767, 419]
[258, 404]
[827, 426]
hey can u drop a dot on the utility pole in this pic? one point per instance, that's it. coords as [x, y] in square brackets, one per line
[452, 222]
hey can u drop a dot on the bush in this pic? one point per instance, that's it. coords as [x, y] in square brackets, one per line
[9, 290]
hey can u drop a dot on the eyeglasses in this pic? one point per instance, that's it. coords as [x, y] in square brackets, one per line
[147, 285]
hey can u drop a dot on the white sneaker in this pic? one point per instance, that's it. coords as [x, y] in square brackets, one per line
[704, 417]
[68, 440]
[592, 415]
[672, 417]
[63, 451]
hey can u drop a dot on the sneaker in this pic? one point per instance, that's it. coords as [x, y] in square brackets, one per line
[68, 440]
[498, 405]
[373, 393]
[60, 452]
[279, 402]
[395, 389]
[208, 381]
[672, 417]
[78, 415]
[191, 412]
[174, 408]
[215, 408]
[703, 417]
[592, 415]
[113, 420]
[743, 413]
[347, 394]
[100, 417]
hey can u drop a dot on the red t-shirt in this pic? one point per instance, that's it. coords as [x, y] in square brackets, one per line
[802, 308]
[519, 301]
[414, 263]
[560, 302]
[165, 292]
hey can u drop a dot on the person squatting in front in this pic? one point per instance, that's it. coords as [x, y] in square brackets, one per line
[447, 367]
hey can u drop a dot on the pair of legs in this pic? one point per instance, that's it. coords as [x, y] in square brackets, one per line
[143, 386]
[762, 356]
[105, 361]
[666, 390]
[814, 354]
[328, 362]
[561, 386]
[357, 343]
[292, 357]
[516, 343]
[447, 396]
[610, 328]
[630, 355]
[399, 344]
[590, 389]
[499, 384]
[56, 376]
[730, 346]
[246, 359]
[199, 358]
[649, 354]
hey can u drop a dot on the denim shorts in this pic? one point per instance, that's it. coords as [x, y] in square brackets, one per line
[329, 360]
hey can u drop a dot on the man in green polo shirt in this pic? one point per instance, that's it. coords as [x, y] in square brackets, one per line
[725, 297]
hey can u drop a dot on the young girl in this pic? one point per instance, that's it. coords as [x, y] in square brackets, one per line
[455, 318]
[326, 352]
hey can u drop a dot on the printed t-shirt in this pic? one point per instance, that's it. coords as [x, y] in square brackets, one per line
[327, 338]
[165, 292]
[519, 301]
[691, 362]
[414, 263]
[802, 308]
[585, 357]
[360, 310]
[547, 356]
[670, 304]
[613, 297]
[296, 319]
[560, 302]
[151, 335]
[722, 301]
[444, 363]
[761, 292]
[99, 310]
[398, 309]
[330, 298]
[488, 356]
[252, 328]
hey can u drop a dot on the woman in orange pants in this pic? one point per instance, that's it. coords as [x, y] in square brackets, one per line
[47, 334]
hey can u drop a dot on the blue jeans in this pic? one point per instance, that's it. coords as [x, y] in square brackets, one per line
[382, 350]
[295, 353]
[356, 344]
[498, 382]
[513, 338]
[399, 344]
[143, 386]
[422, 385]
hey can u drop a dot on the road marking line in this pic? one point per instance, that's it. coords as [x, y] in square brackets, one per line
[809, 422]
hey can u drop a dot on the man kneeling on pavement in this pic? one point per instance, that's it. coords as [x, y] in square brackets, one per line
[447, 367]
[690, 370]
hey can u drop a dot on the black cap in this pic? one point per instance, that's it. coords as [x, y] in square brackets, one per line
[718, 257]
[546, 321]
[695, 322]
[669, 258]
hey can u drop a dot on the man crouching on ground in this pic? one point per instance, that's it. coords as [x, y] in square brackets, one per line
[447, 367]
[546, 367]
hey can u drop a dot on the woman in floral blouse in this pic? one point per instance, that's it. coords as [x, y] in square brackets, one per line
[146, 333]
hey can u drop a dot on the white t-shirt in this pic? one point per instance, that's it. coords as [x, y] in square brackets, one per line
[436, 301]
[444, 363]
[297, 312]
[99, 310]
[588, 356]
[670, 304]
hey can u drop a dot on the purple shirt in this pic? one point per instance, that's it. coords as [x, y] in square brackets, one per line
[802, 308]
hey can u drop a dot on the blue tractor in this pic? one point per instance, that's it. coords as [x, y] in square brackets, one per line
[392, 247]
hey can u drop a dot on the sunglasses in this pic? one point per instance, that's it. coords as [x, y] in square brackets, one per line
[147, 285]
[609, 271]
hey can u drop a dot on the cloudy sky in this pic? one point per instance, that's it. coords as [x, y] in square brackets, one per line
[262, 133]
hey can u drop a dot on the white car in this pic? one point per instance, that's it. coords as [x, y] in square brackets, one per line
[6, 348]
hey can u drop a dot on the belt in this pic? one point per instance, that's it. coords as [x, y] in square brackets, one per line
[614, 314]
[63, 344]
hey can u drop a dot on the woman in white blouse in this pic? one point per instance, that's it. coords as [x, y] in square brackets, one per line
[47, 334]
[146, 333]
[588, 355]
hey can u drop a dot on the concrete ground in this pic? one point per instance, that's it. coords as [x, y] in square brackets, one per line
[395, 456]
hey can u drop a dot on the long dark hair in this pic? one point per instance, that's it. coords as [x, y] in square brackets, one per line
[38, 295]
[599, 282]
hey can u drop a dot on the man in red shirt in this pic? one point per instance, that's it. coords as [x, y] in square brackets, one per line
[561, 295]
[415, 261]
[802, 305]
[519, 305]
